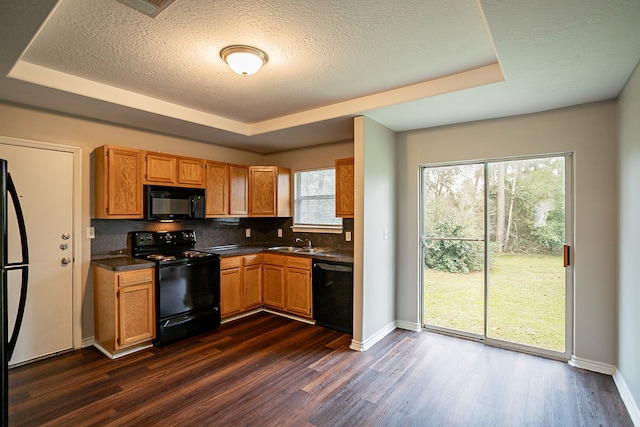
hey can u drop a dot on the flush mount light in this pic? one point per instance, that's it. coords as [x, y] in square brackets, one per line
[244, 60]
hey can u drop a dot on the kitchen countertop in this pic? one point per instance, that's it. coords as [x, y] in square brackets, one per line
[122, 263]
[337, 255]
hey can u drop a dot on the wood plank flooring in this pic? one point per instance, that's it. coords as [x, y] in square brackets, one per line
[267, 370]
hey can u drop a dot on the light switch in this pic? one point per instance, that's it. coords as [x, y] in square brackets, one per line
[247, 232]
[347, 236]
[91, 233]
[279, 232]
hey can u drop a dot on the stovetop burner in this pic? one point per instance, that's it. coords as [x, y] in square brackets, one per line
[160, 257]
[196, 254]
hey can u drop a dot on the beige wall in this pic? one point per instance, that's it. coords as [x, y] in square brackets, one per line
[374, 232]
[629, 241]
[589, 131]
[316, 157]
[38, 125]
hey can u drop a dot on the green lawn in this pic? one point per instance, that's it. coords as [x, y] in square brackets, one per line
[526, 300]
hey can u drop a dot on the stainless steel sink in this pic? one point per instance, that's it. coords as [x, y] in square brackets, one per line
[310, 250]
[297, 249]
[283, 248]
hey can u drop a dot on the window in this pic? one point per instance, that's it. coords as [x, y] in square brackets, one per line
[315, 201]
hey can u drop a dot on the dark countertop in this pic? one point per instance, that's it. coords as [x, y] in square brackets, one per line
[337, 255]
[122, 263]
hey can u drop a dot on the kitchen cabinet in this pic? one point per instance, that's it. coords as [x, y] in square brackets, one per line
[166, 169]
[217, 188]
[273, 281]
[124, 308]
[287, 284]
[269, 191]
[345, 188]
[298, 286]
[227, 189]
[231, 285]
[238, 190]
[252, 280]
[118, 183]
[240, 284]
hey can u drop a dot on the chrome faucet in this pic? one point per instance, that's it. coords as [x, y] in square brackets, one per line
[309, 246]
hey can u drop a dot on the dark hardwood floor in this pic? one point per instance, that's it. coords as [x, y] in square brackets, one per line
[267, 370]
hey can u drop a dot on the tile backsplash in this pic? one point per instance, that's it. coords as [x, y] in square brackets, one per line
[111, 235]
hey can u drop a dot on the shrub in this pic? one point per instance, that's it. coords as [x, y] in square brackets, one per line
[454, 256]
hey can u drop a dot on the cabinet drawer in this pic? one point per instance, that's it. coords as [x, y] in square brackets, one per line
[129, 278]
[230, 262]
[273, 259]
[252, 259]
[299, 262]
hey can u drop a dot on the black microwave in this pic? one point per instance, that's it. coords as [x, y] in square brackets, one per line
[174, 202]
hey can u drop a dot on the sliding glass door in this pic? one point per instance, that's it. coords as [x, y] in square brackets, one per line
[496, 263]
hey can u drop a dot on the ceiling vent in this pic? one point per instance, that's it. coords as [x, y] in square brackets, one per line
[149, 7]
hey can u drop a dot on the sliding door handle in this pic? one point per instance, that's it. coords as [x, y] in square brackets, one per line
[566, 250]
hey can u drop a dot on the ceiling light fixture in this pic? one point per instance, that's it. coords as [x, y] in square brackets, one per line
[244, 60]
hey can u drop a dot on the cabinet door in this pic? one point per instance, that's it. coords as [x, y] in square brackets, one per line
[160, 168]
[190, 172]
[298, 291]
[136, 315]
[231, 290]
[252, 286]
[118, 178]
[262, 190]
[238, 190]
[217, 189]
[344, 188]
[273, 289]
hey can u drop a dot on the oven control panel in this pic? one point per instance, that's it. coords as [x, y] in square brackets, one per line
[160, 238]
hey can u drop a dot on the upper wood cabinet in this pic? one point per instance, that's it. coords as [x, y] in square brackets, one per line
[238, 190]
[269, 191]
[160, 168]
[190, 172]
[227, 189]
[118, 183]
[344, 188]
[165, 169]
[217, 188]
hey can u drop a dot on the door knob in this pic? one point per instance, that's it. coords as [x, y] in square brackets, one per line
[66, 260]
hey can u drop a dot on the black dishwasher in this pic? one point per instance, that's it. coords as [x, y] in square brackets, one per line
[333, 295]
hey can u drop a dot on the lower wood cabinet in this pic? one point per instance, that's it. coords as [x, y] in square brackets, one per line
[124, 308]
[240, 284]
[287, 284]
[275, 281]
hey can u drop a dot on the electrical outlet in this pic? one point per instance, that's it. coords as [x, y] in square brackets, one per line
[91, 233]
[279, 232]
[347, 236]
[247, 232]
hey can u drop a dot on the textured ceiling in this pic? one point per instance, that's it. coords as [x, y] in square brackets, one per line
[407, 64]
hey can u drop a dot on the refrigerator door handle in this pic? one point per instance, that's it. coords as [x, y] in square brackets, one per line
[11, 189]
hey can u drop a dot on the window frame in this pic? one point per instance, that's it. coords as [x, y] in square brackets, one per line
[312, 228]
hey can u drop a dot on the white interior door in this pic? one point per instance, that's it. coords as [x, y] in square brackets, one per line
[44, 183]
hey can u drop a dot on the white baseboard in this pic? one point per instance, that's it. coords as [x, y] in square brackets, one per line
[409, 326]
[370, 342]
[121, 353]
[627, 398]
[590, 365]
[87, 342]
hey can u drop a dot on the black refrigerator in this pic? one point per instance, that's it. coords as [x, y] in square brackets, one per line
[8, 342]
